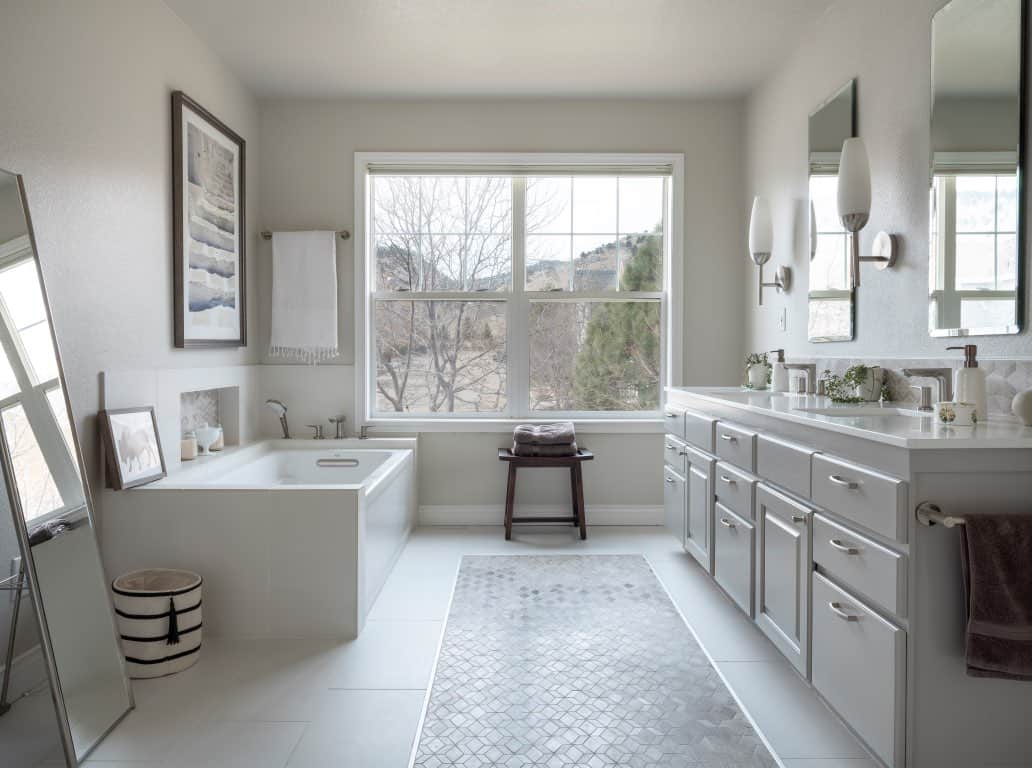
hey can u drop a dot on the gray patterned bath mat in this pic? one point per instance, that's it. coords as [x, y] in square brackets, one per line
[578, 660]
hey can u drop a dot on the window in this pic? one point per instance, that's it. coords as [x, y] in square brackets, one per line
[516, 291]
[35, 420]
[974, 247]
[830, 298]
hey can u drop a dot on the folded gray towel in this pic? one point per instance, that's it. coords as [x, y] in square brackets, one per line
[995, 550]
[544, 451]
[560, 433]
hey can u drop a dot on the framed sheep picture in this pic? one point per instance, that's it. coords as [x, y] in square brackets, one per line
[132, 447]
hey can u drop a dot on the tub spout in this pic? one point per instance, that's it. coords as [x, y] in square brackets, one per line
[280, 410]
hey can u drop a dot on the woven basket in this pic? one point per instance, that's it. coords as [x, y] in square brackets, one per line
[159, 620]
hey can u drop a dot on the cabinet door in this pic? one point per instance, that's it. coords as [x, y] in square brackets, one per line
[699, 519]
[674, 503]
[783, 574]
[733, 538]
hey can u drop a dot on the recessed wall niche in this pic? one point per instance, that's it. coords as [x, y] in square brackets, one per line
[212, 406]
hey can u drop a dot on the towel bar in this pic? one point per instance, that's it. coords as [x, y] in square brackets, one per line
[344, 234]
[929, 514]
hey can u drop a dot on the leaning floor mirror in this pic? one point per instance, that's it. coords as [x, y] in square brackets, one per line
[64, 684]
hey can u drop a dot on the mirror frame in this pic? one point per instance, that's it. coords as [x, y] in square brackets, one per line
[852, 86]
[1022, 261]
[75, 519]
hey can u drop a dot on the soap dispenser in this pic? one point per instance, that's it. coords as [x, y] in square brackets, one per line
[969, 383]
[779, 375]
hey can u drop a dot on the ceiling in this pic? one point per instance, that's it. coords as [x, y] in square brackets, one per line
[502, 48]
[976, 49]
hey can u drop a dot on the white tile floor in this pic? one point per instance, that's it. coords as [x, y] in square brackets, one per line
[308, 704]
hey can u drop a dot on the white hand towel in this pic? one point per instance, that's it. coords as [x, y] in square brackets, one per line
[304, 296]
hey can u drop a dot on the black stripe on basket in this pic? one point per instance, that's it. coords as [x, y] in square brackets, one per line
[173, 657]
[171, 593]
[158, 615]
[163, 638]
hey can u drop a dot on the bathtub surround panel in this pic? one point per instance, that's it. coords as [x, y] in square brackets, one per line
[599, 647]
[283, 550]
[886, 45]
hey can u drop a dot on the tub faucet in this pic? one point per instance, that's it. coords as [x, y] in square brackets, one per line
[338, 423]
[280, 410]
[363, 432]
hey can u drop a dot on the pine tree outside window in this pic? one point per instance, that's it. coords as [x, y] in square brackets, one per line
[508, 291]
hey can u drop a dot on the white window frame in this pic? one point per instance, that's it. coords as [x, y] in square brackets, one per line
[671, 300]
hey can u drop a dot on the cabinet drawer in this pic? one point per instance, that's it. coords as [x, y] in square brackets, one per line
[673, 418]
[675, 453]
[733, 556]
[859, 668]
[700, 430]
[737, 445]
[785, 464]
[868, 567]
[674, 502]
[874, 500]
[734, 489]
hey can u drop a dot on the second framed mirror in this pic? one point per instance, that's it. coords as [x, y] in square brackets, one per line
[831, 300]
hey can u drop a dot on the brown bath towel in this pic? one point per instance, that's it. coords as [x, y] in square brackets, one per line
[560, 433]
[547, 451]
[995, 555]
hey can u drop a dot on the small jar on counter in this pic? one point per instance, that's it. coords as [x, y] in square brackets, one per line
[188, 447]
[220, 441]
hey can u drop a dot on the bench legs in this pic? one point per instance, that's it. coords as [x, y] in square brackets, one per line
[576, 498]
[577, 483]
[510, 499]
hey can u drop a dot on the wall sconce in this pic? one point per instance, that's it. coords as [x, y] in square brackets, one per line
[761, 243]
[854, 208]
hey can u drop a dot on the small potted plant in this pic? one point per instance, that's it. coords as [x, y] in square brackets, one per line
[866, 381]
[757, 370]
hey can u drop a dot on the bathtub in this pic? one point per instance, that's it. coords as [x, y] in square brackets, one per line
[294, 538]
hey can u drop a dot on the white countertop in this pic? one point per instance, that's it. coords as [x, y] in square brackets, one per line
[906, 430]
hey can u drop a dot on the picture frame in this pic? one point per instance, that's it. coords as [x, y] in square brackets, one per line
[209, 202]
[132, 447]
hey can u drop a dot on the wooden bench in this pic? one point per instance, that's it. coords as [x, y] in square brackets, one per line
[576, 487]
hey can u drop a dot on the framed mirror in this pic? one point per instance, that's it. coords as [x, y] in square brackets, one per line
[830, 299]
[977, 261]
[71, 649]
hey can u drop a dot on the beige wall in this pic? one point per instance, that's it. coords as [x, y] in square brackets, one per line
[85, 117]
[307, 172]
[886, 45]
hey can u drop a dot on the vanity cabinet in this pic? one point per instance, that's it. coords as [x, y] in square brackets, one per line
[783, 573]
[674, 495]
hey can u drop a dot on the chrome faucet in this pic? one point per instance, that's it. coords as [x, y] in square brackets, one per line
[811, 374]
[338, 423]
[363, 432]
[280, 410]
[943, 375]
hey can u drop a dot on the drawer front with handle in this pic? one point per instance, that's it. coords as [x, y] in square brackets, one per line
[871, 569]
[785, 464]
[675, 453]
[735, 489]
[737, 445]
[699, 430]
[674, 499]
[859, 663]
[733, 556]
[871, 499]
[673, 419]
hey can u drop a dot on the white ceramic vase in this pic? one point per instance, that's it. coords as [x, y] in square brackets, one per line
[1021, 406]
[758, 375]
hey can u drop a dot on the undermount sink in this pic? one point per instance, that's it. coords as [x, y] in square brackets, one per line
[847, 411]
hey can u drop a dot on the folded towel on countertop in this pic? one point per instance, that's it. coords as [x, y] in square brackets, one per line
[544, 451]
[995, 552]
[560, 433]
[304, 296]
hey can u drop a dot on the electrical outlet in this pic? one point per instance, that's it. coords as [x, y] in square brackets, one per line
[783, 319]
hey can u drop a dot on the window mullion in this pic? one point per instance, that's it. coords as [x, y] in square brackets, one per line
[517, 377]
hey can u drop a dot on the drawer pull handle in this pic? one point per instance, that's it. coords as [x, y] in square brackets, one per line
[671, 480]
[798, 518]
[849, 550]
[671, 415]
[838, 480]
[728, 480]
[836, 608]
[727, 523]
[671, 447]
[729, 438]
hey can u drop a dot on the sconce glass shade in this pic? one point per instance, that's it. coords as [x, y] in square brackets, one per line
[813, 231]
[854, 185]
[761, 232]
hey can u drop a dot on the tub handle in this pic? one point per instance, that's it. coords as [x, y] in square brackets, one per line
[336, 462]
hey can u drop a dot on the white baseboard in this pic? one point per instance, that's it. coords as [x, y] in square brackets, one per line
[28, 670]
[493, 514]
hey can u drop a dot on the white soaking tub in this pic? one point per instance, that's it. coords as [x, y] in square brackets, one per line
[294, 538]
